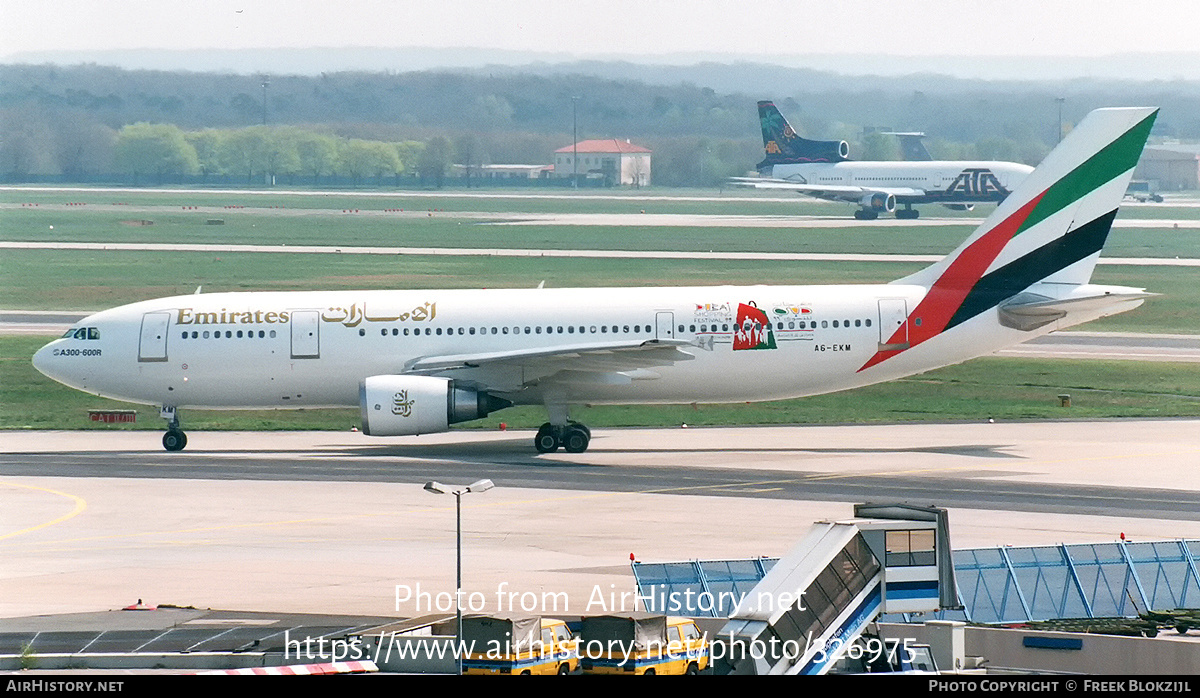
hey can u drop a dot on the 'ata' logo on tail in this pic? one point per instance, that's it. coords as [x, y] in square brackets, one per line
[977, 182]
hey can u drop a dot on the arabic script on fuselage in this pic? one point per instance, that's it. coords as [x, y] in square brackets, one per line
[358, 312]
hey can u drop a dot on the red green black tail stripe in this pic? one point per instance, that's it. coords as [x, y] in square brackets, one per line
[962, 291]
[1047, 260]
[947, 294]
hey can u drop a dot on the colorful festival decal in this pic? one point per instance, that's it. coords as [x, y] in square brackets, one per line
[753, 329]
[788, 312]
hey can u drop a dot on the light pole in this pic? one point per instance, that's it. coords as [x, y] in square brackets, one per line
[1060, 101]
[458, 492]
[574, 143]
[266, 80]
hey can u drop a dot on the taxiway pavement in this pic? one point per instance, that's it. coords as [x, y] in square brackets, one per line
[334, 522]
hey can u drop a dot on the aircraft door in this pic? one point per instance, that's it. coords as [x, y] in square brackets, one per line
[893, 316]
[153, 344]
[665, 327]
[306, 335]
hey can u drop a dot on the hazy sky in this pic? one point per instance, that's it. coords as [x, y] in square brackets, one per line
[647, 27]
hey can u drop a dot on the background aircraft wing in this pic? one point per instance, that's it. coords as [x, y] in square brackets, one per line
[837, 192]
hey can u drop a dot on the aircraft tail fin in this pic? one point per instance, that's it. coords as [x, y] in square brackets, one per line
[1054, 224]
[1048, 232]
[784, 146]
[912, 147]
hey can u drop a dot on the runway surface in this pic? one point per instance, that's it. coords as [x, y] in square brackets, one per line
[753, 462]
[622, 195]
[335, 521]
[627, 219]
[518, 252]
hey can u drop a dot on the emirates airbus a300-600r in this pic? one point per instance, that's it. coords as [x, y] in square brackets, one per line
[416, 362]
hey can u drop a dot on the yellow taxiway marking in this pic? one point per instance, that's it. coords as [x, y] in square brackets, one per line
[80, 505]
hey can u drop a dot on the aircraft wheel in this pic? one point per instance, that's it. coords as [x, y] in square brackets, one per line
[582, 426]
[575, 439]
[546, 440]
[174, 440]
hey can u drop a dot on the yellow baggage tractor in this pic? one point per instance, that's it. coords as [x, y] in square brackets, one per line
[641, 643]
[518, 645]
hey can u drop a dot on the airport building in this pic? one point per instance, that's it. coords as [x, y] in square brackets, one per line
[616, 160]
[501, 172]
[1173, 167]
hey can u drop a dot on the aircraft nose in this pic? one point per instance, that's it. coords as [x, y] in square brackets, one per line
[42, 360]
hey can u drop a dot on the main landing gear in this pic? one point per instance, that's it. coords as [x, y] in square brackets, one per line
[174, 439]
[573, 437]
[908, 213]
[863, 214]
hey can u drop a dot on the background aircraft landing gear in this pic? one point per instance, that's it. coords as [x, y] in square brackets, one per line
[863, 214]
[174, 439]
[908, 213]
[573, 438]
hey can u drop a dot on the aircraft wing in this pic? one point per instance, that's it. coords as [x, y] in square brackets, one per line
[609, 362]
[836, 192]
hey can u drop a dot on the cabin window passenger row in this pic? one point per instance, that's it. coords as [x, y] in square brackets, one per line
[216, 334]
[439, 331]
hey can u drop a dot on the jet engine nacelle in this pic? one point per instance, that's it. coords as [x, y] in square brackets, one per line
[878, 201]
[960, 207]
[411, 405]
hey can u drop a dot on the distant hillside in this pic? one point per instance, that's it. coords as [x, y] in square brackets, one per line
[65, 120]
[744, 73]
[631, 101]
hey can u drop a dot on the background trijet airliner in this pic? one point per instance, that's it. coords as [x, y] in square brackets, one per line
[417, 361]
[823, 169]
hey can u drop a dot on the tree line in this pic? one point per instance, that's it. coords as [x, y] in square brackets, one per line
[84, 121]
[263, 153]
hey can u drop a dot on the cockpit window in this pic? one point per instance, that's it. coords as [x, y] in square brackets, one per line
[82, 333]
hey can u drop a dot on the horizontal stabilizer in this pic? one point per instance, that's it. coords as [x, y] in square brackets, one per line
[1029, 311]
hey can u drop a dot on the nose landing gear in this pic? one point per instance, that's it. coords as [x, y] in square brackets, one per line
[174, 439]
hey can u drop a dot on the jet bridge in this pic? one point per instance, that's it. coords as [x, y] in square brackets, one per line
[815, 602]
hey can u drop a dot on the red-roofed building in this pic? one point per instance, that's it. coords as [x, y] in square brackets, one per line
[619, 161]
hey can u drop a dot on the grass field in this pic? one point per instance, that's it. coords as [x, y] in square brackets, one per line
[726, 200]
[1000, 388]
[93, 280]
[374, 228]
[729, 201]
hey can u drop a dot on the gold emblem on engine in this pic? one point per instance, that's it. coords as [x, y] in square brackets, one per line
[401, 405]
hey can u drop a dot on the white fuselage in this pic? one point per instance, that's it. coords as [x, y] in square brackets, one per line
[307, 349]
[941, 181]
